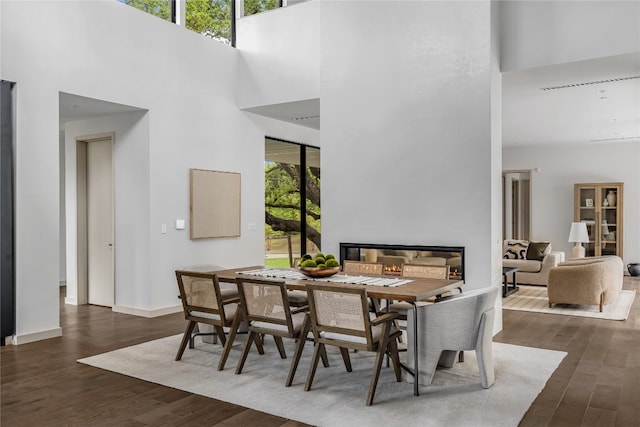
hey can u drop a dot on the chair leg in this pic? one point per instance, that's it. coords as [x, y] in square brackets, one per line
[245, 351]
[382, 346]
[317, 348]
[298, 352]
[185, 339]
[345, 356]
[395, 359]
[220, 333]
[258, 341]
[233, 330]
[325, 359]
[280, 345]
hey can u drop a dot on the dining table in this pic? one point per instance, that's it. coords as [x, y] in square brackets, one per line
[384, 287]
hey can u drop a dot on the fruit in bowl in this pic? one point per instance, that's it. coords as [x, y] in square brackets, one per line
[319, 265]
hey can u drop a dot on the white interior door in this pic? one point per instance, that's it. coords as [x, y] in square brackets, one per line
[100, 274]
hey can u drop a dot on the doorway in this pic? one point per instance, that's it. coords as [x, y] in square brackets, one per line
[516, 205]
[96, 283]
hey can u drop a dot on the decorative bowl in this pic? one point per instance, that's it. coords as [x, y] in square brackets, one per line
[634, 269]
[319, 272]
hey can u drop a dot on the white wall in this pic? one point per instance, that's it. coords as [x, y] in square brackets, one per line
[563, 166]
[406, 135]
[281, 51]
[63, 245]
[539, 33]
[188, 83]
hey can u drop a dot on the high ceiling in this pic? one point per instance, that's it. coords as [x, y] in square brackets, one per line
[590, 101]
[599, 108]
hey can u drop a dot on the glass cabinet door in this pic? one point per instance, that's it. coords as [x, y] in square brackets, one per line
[587, 214]
[599, 206]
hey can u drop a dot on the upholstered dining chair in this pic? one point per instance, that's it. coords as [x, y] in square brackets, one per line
[268, 312]
[203, 301]
[340, 317]
[461, 322]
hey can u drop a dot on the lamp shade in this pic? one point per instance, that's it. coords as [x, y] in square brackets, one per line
[578, 233]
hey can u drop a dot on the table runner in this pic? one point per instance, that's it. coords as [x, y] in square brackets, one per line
[338, 278]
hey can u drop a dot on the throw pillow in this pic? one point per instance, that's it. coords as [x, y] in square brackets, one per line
[516, 250]
[537, 250]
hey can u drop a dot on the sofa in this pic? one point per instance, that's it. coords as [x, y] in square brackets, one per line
[586, 281]
[534, 260]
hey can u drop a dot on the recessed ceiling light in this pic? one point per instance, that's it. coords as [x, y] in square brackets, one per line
[603, 97]
[612, 120]
[601, 91]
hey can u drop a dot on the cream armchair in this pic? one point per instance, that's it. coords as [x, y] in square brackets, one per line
[587, 281]
[459, 323]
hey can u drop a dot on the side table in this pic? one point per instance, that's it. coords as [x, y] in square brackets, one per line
[506, 289]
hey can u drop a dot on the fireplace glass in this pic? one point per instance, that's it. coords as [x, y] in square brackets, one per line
[395, 256]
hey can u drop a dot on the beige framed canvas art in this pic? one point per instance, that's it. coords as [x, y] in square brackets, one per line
[214, 204]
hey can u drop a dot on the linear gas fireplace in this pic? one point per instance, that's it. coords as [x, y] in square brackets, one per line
[393, 257]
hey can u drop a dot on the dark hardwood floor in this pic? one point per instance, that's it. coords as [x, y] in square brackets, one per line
[598, 383]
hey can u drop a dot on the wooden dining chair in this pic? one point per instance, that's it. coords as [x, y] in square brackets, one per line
[340, 317]
[418, 271]
[361, 267]
[268, 312]
[203, 301]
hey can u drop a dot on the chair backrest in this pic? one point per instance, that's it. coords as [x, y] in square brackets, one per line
[459, 317]
[265, 301]
[360, 267]
[200, 293]
[426, 271]
[341, 313]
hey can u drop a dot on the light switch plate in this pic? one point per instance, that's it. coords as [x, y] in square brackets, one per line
[163, 228]
[252, 226]
[179, 224]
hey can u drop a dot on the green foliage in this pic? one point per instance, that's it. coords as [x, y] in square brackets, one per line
[211, 18]
[329, 256]
[277, 262]
[282, 200]
[251, 7]
[159, 8]
[306, 256]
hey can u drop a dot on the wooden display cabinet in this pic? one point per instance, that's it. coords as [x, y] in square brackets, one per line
[600, 206]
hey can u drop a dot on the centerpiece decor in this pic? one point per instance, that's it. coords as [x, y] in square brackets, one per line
[319, 265]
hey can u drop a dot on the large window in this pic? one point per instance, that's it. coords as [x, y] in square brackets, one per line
[211, 18]
[251, 7]
[292, 201]
[160, 8]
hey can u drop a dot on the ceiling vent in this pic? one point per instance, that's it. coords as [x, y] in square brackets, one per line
[597, 82]
[622, 138]
[305, 118]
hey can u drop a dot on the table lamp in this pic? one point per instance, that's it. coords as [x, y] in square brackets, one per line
[578, 235]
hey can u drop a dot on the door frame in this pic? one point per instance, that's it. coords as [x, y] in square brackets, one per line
[530, 199]
[81, 206]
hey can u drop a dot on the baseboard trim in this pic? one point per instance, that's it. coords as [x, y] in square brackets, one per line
[147, 313]
[36, 336]
[70, 301]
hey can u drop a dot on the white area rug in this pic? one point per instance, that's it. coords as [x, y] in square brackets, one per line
[337, 398]
[534, 298]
